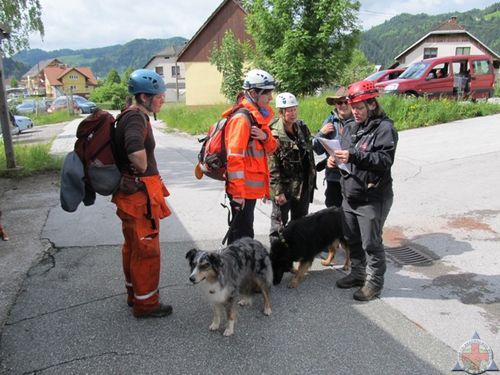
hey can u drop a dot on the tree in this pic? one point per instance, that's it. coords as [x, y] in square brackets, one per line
[113, 77]
[22, 17]
[356, 70]
[126, 75]
[228, 58]
[17, 19]
[305, 44]
[13, 82]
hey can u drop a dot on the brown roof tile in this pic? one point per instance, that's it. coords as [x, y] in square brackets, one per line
[450, 24]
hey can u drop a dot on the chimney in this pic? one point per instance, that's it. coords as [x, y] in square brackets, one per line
[453, 20]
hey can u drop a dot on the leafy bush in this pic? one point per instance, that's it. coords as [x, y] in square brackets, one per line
[107, 92]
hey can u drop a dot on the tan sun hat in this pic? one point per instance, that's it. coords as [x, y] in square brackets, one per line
[341, 93]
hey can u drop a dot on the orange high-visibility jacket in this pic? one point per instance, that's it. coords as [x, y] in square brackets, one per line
[247, 170]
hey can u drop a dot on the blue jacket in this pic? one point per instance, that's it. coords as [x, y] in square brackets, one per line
[331, 174]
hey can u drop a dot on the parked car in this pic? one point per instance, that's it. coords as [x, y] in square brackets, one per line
[32, 106]
[19, 123]
[80, 104]
[470, 76]
[385, 75]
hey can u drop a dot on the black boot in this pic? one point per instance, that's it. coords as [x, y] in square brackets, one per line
[349, 281]
[367, 293]
[160, 312]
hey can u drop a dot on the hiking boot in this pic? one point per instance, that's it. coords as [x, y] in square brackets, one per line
[160, 312]
[367, 293]
[130, 301]
[349, 281]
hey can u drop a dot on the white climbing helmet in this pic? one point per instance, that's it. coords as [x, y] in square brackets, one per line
[286, 100]
[258, 79]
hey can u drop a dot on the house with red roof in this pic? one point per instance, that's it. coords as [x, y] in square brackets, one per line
[64, 80]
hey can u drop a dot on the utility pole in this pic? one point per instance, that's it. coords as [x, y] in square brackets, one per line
[4, 115]
[176, 78]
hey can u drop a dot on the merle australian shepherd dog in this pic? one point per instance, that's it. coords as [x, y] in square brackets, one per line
[303, 239]
[233, 272]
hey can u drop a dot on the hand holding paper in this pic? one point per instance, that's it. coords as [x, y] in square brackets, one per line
[330, 146]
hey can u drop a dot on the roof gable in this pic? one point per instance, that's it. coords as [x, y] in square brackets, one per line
[451, 26]
[54, 74]
[230, 15]
[40, 66]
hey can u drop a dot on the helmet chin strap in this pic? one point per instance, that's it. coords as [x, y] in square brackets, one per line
[250, 97]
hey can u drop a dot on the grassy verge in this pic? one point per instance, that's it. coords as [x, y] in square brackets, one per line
[406, 112]
[409, 113]
[30, 159]
[52, 118]
[192, 120]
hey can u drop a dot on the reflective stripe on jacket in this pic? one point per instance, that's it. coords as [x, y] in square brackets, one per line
[247, 170]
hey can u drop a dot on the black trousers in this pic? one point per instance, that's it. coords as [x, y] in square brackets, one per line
[242, 222]
[363, 225]
[333, 194]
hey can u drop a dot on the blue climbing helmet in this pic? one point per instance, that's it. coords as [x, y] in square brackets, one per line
[144, 81]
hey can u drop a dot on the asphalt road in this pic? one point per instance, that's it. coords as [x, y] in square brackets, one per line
[70, 316]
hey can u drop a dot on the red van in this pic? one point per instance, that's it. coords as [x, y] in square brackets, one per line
[469, 76]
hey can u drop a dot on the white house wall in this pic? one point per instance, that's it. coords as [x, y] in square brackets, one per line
[167, 64]
[443, 49]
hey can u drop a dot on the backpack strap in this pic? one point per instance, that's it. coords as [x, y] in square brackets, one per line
[236, 109]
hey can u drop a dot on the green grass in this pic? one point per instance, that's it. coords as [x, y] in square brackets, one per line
[30, 159]
[52, 118]
[406, 112]
[409, 113]
[192, 120]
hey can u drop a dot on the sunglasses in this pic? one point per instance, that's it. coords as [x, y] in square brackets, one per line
[341, 102]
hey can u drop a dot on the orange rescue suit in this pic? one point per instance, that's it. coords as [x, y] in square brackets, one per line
[247, 169]
[141, 248]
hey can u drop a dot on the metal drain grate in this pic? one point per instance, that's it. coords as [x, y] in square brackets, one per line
[406, 256]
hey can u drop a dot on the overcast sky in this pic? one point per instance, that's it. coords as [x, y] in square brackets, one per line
[80, 24]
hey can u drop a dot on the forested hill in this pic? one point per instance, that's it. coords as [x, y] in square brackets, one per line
[382, 43]
[101, 60]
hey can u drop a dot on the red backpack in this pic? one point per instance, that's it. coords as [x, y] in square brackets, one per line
[212, 159]
[95, 148]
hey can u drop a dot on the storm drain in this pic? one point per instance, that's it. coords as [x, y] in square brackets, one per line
[408, 256]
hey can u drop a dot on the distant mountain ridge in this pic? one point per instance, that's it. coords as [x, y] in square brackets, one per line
[383, 42]
[101, 60]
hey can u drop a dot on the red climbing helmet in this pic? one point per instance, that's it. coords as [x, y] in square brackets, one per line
[362, 90]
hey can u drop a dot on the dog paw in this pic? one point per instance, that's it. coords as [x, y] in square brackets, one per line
[267, 311]
[293, 284]
[213, 327]
[228, 332]
[245, 302]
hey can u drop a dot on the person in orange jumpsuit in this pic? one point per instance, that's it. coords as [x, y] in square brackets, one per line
[248, 143]
[140, 200]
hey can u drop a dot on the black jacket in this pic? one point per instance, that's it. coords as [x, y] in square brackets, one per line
[372, 148]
